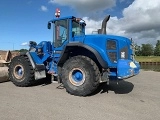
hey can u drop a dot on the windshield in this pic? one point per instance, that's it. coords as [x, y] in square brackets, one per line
[77, 28]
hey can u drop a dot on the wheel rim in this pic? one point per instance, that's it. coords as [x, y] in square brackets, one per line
[18, 71]
[77, 76]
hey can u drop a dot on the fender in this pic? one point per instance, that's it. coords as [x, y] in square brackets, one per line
[64, 53]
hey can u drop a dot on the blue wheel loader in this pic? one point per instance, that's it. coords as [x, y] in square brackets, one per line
[79, 61]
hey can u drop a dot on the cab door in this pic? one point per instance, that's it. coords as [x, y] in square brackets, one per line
[61, 36]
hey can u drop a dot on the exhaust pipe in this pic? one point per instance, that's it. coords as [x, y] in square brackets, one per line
[104, 23]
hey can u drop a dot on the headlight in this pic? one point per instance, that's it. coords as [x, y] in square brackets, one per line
[132, 65]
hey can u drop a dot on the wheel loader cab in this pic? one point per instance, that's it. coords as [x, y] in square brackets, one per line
[66, 29]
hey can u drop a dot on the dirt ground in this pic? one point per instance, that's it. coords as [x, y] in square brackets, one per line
[137, 98]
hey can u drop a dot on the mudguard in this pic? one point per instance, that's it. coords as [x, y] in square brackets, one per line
[64, 53]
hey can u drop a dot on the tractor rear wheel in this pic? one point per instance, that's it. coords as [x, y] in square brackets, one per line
[21, 72]
[80, 76]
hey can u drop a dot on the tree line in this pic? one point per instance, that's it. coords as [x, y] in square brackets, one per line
[148, 49]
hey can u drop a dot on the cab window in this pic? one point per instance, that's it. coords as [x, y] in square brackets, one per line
[77, 29]
[61, 32]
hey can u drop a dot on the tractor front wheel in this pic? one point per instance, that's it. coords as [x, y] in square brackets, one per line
[80, 76]
[21, 72]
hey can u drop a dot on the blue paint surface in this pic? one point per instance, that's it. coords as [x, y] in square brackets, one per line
[77, 76]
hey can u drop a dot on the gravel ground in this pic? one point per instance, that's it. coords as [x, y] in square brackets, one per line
[137, 98]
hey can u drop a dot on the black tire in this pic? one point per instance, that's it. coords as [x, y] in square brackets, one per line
[21, 72]
[72, 71]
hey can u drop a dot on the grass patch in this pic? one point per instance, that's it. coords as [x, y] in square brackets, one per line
[148, 58]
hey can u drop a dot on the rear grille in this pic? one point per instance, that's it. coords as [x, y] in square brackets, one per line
[111, 50]
[112, 56]
[111, 45]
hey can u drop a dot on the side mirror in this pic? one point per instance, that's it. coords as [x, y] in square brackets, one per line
[49, 25]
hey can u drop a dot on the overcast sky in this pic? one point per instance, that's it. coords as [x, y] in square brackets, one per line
[25, 20]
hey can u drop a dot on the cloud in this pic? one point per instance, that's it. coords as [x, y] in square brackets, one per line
[143, 16]
[86, 7]
[24, 44]
[140, 21]
[44, 8]
[92, 25]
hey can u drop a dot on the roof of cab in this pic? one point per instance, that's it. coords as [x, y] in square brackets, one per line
[62, 18]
